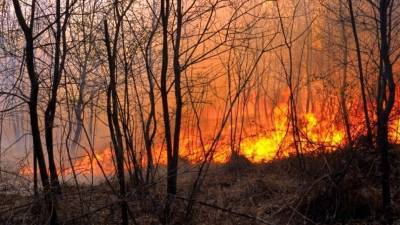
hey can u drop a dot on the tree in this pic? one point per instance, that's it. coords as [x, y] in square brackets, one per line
[172, 148]
[60, 54]
[342, 91]
[113, 109]
[361, 73]
[33, 102]
[385, 100]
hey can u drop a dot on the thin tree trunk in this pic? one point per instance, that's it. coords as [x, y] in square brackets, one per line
[385, 102]
[33, 102]
[173, 158]
[113, 111]
[35, 177]
[292, 98]
[361, 74]
[51, 107]
[171, 188]
[342, 93]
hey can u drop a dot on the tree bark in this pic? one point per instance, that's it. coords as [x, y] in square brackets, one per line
[360, 73]
[342, 93]
[33, 112]
[51, 106]
[112, 115]
[385, 102]
[171, 188]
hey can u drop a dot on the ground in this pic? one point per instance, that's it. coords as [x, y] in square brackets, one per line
[341, 187]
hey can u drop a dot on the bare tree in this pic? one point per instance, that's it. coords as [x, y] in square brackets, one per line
[385, 100]
[361, 73]
[113, 108]
[343, 86]
[290, 73]
[60, 54]
[33, 102]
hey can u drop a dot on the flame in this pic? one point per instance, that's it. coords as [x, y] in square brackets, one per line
[316, 132]
[319, 131]
[265, 147]
[98, 164]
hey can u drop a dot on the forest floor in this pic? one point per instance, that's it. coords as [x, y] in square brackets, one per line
[341, 187]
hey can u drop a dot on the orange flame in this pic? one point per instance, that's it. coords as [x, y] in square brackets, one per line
[262, 147]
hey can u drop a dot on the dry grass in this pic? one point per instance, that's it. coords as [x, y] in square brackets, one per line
[342, 187]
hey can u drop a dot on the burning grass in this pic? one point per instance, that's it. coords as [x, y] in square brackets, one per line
[340, 187]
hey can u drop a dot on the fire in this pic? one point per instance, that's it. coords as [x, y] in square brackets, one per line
[96, 164]
[85, 165]
[319, 131]
[394, 131]
[260, 147]
[265, 147]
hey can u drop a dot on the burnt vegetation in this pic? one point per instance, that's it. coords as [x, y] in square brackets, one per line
[199, 112]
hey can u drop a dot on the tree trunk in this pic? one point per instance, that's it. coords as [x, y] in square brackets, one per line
[361, 74]
[385, 102]
[112, 115]
[342, 93]
[51, 107]
[33, 102]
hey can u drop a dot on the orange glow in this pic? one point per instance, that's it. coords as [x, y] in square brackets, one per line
[88, 164]
[85, 165]
[263, 148]
[277, 142]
